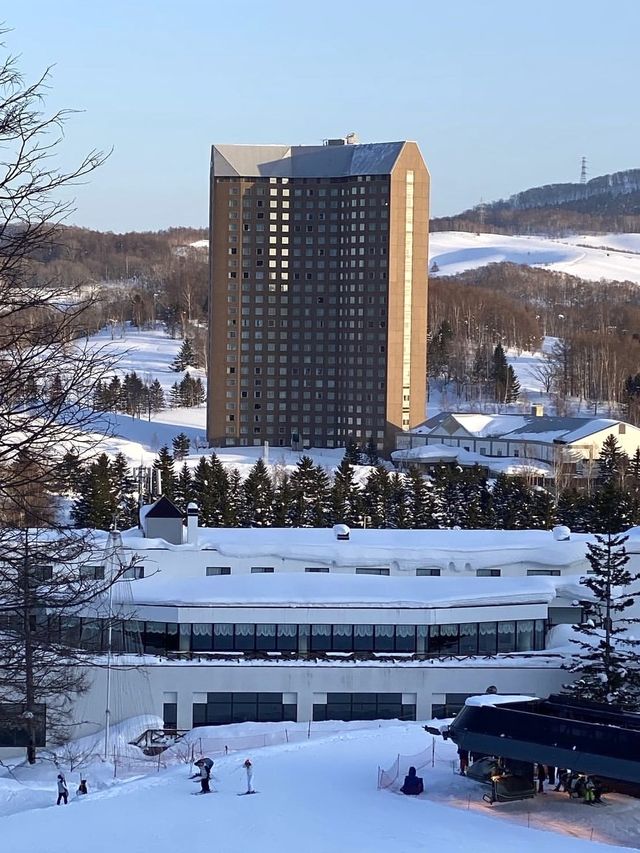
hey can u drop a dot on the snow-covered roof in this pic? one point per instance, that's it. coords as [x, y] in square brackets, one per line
[491, 700]
[308, 161]
[302, 590]
[546, 429]
[451, 549]
[435, 453]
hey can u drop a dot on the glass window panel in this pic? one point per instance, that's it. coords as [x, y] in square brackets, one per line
[524, 635]
[506, 637]
[266, 637]
[321, 638]
[201, 637]
[541, 630]
[245, 637]
[405, 638]
[487, 638]
[343, 638]
[468, 638]
[223, 637]
[384, 638]
[287, 640]
[363, 638]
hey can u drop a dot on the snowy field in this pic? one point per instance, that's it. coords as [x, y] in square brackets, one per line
[609, 257]
[318, 795]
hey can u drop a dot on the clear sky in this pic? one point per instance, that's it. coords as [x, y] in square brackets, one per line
[501, 95]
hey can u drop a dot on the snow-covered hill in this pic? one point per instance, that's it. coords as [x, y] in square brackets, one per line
[611, 257]
[318, 795]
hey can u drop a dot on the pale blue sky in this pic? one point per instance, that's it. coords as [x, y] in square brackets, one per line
[500, 94]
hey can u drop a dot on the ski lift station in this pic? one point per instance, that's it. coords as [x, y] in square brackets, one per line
[216, 626]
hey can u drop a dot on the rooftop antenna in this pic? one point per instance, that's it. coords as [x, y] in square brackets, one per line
[583, 171]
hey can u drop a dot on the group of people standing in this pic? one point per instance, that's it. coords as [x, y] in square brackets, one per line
[204, 773]
[63, 790]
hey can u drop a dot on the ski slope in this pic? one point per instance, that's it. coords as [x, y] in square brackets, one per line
[608, 257]
[320, 796]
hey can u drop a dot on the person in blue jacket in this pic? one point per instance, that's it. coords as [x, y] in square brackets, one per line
[413, 784]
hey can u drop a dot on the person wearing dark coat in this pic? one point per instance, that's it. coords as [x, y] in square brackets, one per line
[463, 757]
[82, 788]
[413, 784]
[542, 777]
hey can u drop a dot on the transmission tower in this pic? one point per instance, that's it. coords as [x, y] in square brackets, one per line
[583, 171]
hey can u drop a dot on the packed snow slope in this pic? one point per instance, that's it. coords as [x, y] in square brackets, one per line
[319, 796]
[609, 257]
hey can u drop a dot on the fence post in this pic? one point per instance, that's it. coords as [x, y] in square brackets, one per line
[433, 752]
[115, 763]
[286, 735]
[159, 754]
[309, 730]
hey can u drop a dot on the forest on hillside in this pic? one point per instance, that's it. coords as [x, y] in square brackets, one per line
[597, 355]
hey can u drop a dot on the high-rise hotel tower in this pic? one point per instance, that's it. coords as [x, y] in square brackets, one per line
[318, 293]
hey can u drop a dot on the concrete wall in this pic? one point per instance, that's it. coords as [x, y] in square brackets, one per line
[142, 690]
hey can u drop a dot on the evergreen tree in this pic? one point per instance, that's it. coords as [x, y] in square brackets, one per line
[606, 664]
[259, 496]
[633, 485]
[284, 498]
[612, 463]
[352, 451]
[95, 507]
[510, 503]
[175, 396]
[181, 445]
[113, 395]
[345, 496]
[71, 472]
[512, 391]
[185, 358]
[542, 512]
[220, 492]
[573, 510]
[156, 400]
[500, 374]
[164, 464]
[203, 491]
[371, 452]
[123, 486]
[310, 492]
[399, 509]
[377, 498]
[421, 498]
[133, 395]
[184, 491]
[236, 502]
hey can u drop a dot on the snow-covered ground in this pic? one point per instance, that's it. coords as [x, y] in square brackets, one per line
[611, 257]
[318, 795]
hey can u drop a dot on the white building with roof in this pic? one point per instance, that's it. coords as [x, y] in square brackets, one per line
[533, 445]
[311, 648]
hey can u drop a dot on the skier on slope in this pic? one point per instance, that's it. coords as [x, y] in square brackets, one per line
[204, 766]
[248, 766]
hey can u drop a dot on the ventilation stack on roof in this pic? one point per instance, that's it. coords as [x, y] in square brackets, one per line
[192, 523]
[341, 532]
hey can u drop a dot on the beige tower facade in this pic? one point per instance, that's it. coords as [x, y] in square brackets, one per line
[318, 293]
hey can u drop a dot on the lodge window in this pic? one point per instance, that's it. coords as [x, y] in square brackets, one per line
[364, 706]
[225, 708]
[218, 570]
[453, 704]
[162, 638]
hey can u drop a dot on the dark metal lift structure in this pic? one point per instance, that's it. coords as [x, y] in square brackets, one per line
[586, 737]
